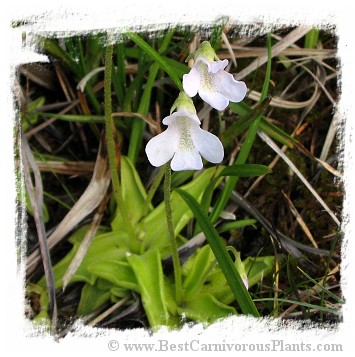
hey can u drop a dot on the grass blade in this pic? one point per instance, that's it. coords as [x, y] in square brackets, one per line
[321, 287]
[224, 260]
[265, 89]
[311, 40]
[247, 118]
[245, 170]
[53, 47]
[75, 117]
[138, 125]
[277, 133]
[301, 303]
[157, 58]
[236, 225]
[35, 193]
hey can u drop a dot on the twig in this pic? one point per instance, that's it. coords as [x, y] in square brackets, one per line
[229, 48]
[67, 168]
[51, 120]
[281, 103]
[146, 118]
[300, 220]
[273, 146]
[275, 51]
[109, 311]
[329, 138]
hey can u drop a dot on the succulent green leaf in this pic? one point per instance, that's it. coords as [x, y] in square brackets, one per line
[150, 278]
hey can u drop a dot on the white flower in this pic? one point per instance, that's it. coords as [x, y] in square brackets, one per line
[184, 142]
[208, 78]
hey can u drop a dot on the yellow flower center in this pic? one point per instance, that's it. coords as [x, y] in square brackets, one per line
[186, 142]
[207, 78]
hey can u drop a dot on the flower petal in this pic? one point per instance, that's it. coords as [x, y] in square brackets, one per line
[198, 66]
[191, 82]
[208, 145]
[186, 160]
[218, 66]
[212, 67]
[233, 90]
[162, 147]
[169, 120]
[214, 99]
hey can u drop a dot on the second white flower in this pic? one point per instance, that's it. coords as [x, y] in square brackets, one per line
[184, 142]
[208, 78]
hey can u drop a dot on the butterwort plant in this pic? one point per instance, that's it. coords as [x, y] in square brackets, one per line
[184, 142]
[209, 79]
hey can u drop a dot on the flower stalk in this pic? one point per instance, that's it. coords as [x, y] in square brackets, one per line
[172, 239]
[111, 149]
[184, 143]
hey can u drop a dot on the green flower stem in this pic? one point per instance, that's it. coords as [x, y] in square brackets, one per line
[173, 245]
[111, 149]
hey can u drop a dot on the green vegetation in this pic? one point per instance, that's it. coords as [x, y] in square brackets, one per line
[129, 247]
